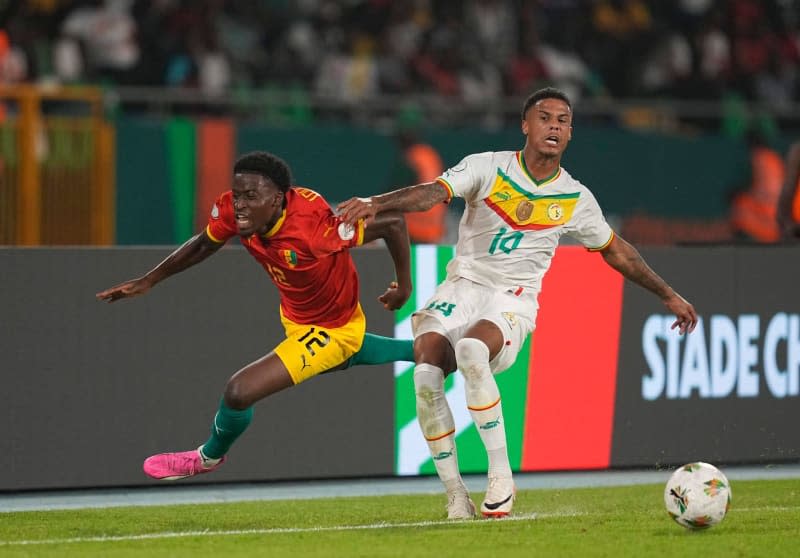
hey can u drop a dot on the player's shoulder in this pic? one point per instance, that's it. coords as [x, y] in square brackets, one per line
[485, 161]
[223, 205]
[570, 181]
[302, 200]
[570, 184]
[490, 157]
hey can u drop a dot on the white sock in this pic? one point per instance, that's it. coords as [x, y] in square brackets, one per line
[437, 424]
[483, 400]
[207, 461]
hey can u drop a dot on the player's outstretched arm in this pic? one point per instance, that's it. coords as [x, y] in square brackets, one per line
[391, 227]
[626, 259]
[421, 197]
[191, 252]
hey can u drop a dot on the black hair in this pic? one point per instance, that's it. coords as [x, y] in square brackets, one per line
[546, 93]
[267, 165]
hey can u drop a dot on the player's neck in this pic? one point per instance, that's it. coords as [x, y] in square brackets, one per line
[539, 165]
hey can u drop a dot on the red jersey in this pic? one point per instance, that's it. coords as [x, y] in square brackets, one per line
[305, 254]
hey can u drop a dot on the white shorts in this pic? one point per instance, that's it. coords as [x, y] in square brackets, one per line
[459, 304]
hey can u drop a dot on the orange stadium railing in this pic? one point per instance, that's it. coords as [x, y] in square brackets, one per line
[56, 167]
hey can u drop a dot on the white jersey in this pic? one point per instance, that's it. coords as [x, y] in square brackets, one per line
[512, 223]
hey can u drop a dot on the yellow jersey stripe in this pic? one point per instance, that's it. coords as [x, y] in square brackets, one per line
[211, 236]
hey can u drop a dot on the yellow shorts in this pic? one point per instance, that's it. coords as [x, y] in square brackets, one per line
[310, 349]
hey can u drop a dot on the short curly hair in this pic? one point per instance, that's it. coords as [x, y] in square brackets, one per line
[267, 165]
[546, 93]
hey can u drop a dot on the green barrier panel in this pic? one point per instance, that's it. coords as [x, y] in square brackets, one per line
[655, 174]
[629, 171]
[144, 198]
[411, 451]
[336, 161]
[181, 143]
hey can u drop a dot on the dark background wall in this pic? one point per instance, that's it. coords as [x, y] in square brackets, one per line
[698, 414]
[88, 390]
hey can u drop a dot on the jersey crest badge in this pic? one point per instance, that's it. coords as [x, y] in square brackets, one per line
[291, 257]
[215, 212]
[555, 212]
[346, 231]
[524, 210]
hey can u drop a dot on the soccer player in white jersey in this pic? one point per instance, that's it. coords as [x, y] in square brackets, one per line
[518, 205]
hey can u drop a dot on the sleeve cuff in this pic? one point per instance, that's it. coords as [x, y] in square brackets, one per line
[444, 184]
[360, 232]
[212, 237]
[604, 246]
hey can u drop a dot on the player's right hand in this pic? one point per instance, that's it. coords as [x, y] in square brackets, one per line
[352, 210]
[685, 314]
[395, 296]
[127, 289]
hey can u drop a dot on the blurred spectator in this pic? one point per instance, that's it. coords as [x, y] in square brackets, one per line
[754, 211]
[436, 66]
[349, 75]
[68, 60]
[472, 50]
[621, 34]
[491, 27]
[668, 69]
[108, 31]
[789, 202]
[713, 55]
[13, 62]
[418, 163]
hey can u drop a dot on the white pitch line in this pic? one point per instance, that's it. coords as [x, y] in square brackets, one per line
[280, 530]
[333, 528]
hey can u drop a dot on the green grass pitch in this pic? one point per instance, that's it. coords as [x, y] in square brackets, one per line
[611, 521]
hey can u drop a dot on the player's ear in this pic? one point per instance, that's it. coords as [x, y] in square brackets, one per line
[525, 127]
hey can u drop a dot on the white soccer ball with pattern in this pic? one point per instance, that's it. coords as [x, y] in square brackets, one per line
[697, 495]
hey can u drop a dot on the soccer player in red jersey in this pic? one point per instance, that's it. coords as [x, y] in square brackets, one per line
[293, 233]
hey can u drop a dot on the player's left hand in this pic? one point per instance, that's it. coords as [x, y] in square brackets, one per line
[352, 210]
[395, 296]
[686, 317]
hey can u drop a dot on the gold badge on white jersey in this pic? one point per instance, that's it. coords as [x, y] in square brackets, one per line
[524, 210]
[555, 212]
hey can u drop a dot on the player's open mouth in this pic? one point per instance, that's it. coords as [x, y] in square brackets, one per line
[242, 221]
[551, 140]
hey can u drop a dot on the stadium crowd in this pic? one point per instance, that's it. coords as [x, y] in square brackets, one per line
[472, 50]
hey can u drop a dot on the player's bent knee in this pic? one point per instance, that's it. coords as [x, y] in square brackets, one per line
[433, 413]
[428, 380]
[236, 396]
[472, 355]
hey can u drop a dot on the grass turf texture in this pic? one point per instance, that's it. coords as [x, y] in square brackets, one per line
[611, 521]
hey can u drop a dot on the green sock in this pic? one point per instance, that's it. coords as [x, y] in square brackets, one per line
[377, 349]
[228, 425]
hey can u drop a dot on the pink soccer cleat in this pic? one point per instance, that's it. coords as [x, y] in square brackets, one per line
[174, 466]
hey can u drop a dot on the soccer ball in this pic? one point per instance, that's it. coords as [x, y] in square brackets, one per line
[697, 496]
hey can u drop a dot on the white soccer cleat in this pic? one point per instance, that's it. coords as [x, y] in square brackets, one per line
[459, 505]
[499, 497]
